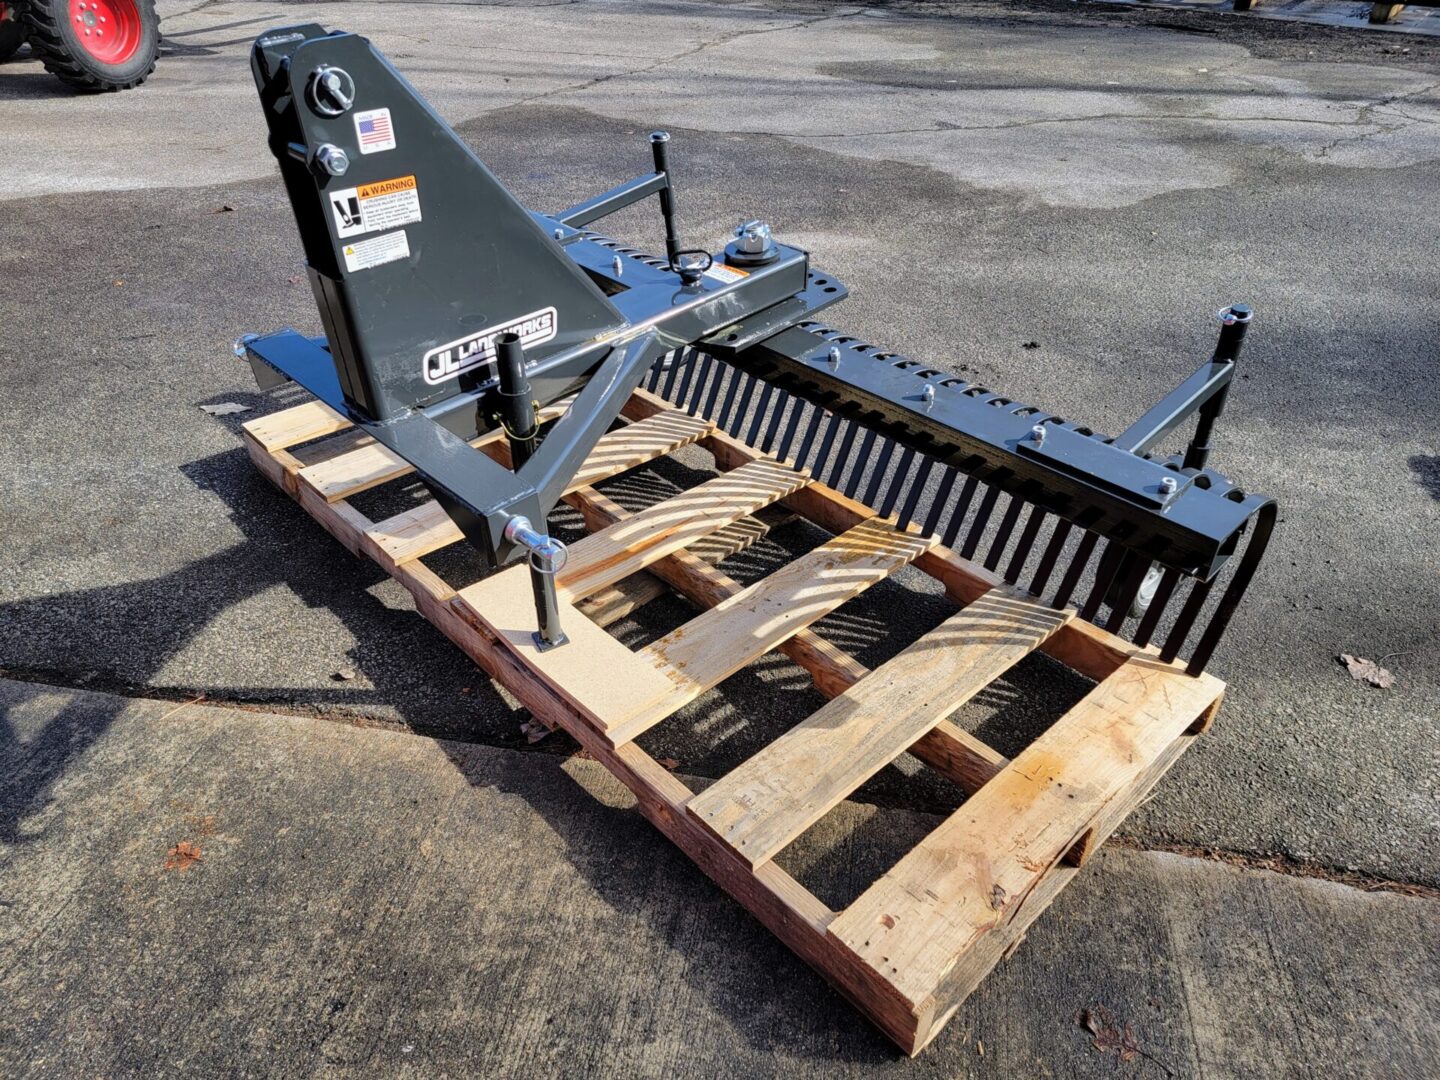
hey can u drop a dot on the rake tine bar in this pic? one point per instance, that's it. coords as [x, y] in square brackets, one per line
[897, 485]
[878, 477]
[1051, 556]
[1024, 546]
[1075, 569]
[1002, 535]
[917, 489]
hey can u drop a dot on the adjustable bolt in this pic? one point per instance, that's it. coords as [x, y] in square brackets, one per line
[928, 395]
[834, 354]
[618, 265]
[559, 234]
[332, 159]
[1168, 485]
[1038, 431]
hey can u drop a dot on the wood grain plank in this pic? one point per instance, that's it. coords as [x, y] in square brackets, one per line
[922, 921]
[765, 803]
[1082, 645]
[426, 528]
[598, 675]
[290, 427]
[605, 557]
[740, 628]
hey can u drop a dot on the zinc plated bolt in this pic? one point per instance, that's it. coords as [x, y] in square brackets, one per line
[834, 354]
[332, 159]
[1168, 485]
[619, 266]
[928, 395]
[1038, 431]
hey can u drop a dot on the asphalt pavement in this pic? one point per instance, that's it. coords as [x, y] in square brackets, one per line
[1095, 180]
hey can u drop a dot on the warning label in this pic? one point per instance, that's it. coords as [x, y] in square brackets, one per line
[377, 251]
[385, 204]
[726, 274]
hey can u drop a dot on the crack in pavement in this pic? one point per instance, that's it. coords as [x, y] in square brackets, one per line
[559, 744]
[723, 39]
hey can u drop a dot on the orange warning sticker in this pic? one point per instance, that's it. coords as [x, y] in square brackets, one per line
[386, 187]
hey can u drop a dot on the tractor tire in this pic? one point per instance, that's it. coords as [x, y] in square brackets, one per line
[94, 45]
[12, 34]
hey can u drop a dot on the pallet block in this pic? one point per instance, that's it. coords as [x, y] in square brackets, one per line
[911, 947]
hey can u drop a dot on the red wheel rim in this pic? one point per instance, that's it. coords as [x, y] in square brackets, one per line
[109, 30]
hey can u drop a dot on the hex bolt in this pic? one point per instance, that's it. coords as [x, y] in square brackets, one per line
[332, 159]
[928, 395]
[834, 354]
[1038, 431]
[559, 234]
[619, 266]
[1168, 485]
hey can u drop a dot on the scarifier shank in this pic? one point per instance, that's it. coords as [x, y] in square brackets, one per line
[420, 260]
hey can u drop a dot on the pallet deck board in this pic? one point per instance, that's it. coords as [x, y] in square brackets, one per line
[978, 868]
[950, 909]
[424, 529]
[764, 804]
[605, 557]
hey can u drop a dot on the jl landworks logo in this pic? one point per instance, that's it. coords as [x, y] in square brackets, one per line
[479, 348]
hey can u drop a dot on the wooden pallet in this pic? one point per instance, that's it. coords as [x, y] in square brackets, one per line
[910, 948]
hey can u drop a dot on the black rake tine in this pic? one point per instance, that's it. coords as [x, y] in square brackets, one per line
[1105, 573]
[892, 492]
[1235, 591]
[1151, 619]
[773, 428]
[811, 430]
[739, 418]
[957, 516]
[764, 404]
[982, 518]
[791, 426]
[866, 445]
[1025, 544]
[937, 508]
[878, 476]
[674, 371]
[907, 512]
[1134, 578]
[1051, 556]
[838, 469]
[723, 420]
[657, 369]
[691, 385]
[1002, 535]
[709, 410]
[822, 457]
[1075, 569]
[1188, 614]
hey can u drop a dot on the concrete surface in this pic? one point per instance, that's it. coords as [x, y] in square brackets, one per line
[363, 903]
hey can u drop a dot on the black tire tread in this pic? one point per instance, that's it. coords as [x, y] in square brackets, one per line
[12, 36]
[43, 34]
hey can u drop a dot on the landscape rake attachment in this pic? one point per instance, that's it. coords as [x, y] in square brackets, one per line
[510, 360]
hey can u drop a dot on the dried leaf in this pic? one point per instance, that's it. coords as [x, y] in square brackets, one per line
[667, 763]
[182, 856]
[225, 408]
[223, 208]
[997, 898]
[345, 674]
[1367, 671]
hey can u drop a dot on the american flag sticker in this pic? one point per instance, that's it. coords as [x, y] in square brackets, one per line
[374, 130]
